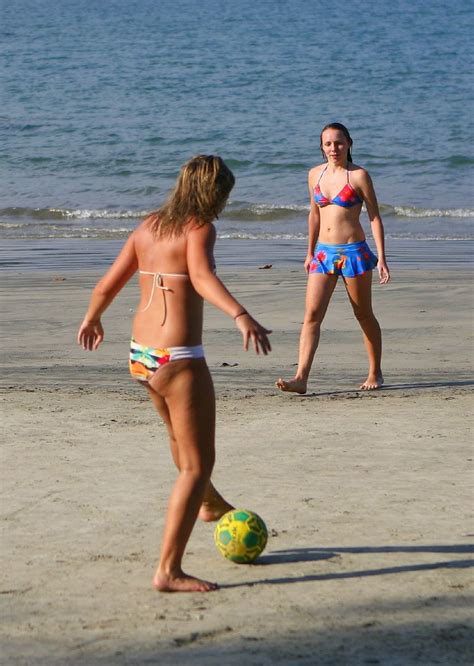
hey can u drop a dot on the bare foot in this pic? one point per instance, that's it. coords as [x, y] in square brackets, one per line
[372, 382]
[214, 507]
[181, 582]
[292, 386]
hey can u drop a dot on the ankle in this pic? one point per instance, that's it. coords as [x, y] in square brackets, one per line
[168, 570]
[301, 376]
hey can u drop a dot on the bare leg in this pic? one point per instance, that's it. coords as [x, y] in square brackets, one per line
[214, 506]
[359, 290]
[187, 390]
[318, 294]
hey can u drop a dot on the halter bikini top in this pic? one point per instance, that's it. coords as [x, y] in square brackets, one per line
[158, 284]
[346, 198]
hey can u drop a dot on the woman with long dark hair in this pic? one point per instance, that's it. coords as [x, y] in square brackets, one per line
[337, 247]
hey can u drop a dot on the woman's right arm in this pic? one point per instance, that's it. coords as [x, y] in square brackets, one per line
[200, 261]
[314, 222]
[91, 333]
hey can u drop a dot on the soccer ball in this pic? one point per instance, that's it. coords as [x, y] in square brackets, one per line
[240, 536]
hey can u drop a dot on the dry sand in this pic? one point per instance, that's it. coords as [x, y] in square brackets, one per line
[367, 497]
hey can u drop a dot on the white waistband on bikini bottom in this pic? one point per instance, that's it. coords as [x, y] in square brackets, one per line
[179, 353]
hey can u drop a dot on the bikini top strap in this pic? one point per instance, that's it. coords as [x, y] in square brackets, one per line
[157, 284]
[322, 174]
[185, 275]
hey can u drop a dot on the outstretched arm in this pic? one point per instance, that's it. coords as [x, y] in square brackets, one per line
[375, 218]
[200, 260]
[91, 333]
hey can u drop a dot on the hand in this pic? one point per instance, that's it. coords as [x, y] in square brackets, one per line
[252, 330]
[307, 262]
[384, 273]
[90, 335]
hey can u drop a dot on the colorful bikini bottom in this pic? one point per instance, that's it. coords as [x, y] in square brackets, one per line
[145, 361]
[348, 260]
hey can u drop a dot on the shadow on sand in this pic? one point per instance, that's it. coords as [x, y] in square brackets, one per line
[357, 393]
[315, 554]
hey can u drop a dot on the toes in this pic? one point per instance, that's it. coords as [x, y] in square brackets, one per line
[200, 586]
[184, 584]
[371, 384]
[292, 386]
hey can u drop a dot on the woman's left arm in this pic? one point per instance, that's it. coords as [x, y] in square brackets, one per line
[370, 199]
[91, 333]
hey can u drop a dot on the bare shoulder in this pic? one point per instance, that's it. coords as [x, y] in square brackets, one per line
[359, 175]
[315, 172]
[143, 232]
[203, 232]
[145, 225]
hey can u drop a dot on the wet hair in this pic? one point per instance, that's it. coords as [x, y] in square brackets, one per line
[344, 130]
[200, 194]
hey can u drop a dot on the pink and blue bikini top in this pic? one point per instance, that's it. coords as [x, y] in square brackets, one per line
[346, 198]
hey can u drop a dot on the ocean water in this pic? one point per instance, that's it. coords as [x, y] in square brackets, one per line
[102, 102]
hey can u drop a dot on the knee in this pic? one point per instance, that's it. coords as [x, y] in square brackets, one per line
[313, 318]
[200, 470]
[363, 315]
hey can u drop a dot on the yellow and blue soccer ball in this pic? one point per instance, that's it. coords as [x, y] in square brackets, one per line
[240, 536]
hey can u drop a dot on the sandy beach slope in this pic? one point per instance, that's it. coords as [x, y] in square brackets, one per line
[367, 497]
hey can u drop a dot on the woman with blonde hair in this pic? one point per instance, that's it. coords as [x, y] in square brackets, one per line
[172, 250]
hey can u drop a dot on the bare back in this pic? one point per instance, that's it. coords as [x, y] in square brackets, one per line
[170, 311]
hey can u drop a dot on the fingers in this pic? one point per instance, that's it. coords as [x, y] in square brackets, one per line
[264, 341]
[257, 336]
[97, 342]
[86, 342]
[80, 336]
[261, 342]
[89, 341]
[384, 275]
[255, 344]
